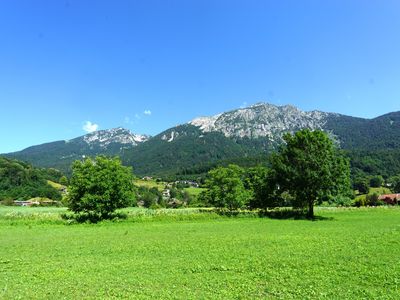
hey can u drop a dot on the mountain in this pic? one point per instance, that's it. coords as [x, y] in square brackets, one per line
[271, 122]
[244, 136]
[61, 154]
[262, 120]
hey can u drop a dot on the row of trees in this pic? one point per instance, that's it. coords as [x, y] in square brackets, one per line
[307, 169]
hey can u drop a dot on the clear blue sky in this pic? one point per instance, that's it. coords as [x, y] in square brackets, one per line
[65, 63]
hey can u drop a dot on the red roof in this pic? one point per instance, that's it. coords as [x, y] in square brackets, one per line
[390, 196]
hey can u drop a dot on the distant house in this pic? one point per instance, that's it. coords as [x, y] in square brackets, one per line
[188, 183]
[390, 198]
[36, 201]
[147, 178]
[166, 194]
[26, 202]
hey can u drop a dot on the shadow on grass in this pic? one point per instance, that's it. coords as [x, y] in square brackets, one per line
[294, 214]
[278, 213]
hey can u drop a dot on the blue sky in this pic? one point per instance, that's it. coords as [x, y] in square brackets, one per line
[149, 65]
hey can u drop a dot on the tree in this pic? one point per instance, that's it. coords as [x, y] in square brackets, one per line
[361, 184]
[309, 167]
[100, 186]
[264, 193]
[64, 181]
[226, 188]
[376, 181]
[395, 184]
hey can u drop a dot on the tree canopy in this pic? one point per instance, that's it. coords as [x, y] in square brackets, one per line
[310, 168]
[226, 188]
[100, 186]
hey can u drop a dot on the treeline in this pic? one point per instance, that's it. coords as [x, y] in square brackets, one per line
[22, 181]
[366, 163]
[153, 198]
[307, 170]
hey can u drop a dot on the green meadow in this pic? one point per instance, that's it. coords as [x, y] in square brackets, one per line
[188, 254]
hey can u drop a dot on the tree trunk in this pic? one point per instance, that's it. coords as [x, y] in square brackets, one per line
[310, 213]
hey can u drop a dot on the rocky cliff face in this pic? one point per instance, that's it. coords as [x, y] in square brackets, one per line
[262, 120]
[103, 138]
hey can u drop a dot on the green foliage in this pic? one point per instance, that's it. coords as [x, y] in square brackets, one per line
[150, 197]
[259, 181]
[395, 184]
[367, 162]
[361, 185]
[22, 181]
[100, 186]
[92, 216]
[369, 200]
[376, 181]
[372, 199]
[310, 168]
[361, 201]
[226, 188]
[341, 200]
[64, 181]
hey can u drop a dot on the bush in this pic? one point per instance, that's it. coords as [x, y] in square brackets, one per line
[362, 201]
[342, 201]
[92, 217]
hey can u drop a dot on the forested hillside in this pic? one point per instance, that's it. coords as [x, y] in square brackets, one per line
[21, 181]
[184, 147]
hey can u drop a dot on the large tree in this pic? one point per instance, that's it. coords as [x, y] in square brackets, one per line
[100, 186]
[310, 168]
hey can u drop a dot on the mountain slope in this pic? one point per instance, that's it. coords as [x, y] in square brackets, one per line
[183, 146]
[366, 134]
[61, 154]
[243, 135]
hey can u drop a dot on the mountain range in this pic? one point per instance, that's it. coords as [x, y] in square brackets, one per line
[243, 135]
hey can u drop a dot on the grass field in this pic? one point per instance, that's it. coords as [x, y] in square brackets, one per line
[349, 254]
[194, 191]
[150, 184]
[379, 191]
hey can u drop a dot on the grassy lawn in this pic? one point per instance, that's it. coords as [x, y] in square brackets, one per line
[379, 191]
[150, 184]
[352, 254]
[194, 191]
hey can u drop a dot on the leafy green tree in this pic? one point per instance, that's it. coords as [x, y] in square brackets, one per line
[309, 167]
[100, 186]
[259, 181]
[226, 188]
[362, 185]
[394, 184]
[64, 180]
[376, 181]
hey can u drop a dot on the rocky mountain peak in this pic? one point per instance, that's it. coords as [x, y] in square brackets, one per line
[116, 135]
[261, 120]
